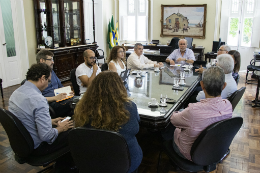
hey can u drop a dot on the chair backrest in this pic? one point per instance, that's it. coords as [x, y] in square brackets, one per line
[19, 138]
[74, 81]
[104, 67]
[189, 42]
[95, 150]
[174, 43]
[214, 141]
[236, 96]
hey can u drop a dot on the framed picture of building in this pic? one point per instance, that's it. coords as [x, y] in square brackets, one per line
[183, 20]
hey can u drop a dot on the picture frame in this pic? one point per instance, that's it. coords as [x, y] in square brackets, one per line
[183, 21]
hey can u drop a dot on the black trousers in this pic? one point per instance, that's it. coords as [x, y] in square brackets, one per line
[62, 109]
[44, 148]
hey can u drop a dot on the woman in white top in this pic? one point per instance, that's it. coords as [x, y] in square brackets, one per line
[116, 60]
[117, 63]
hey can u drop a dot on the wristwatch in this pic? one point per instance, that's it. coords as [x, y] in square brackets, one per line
[185, 60]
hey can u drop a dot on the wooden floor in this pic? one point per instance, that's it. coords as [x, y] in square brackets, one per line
[244, 156]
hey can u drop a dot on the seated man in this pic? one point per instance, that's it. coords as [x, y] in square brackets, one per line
[224, 49]
[87, 71]
[29, 105]
[226, 62]
[63, 108]
[138, 61]
[182, 55]
[197, 116]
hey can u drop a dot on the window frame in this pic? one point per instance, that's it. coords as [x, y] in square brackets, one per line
[241, 15]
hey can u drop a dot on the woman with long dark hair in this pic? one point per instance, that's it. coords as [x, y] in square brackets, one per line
[105, 105]
[236, 56]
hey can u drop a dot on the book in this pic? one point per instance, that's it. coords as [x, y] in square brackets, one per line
[66, 90]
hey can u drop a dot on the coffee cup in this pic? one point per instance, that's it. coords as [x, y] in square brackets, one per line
[153, 101]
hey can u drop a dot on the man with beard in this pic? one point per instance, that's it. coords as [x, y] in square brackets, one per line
[87, 71]
[63, 108]
[182, 55]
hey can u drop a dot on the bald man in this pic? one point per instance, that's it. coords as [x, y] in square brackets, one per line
[87, 71]
[182, 55]
[224, 49]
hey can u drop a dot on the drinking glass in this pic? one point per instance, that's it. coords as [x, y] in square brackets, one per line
[175, 81]
[163, 99]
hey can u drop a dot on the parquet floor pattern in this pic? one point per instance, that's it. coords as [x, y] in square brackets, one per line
[243, 158]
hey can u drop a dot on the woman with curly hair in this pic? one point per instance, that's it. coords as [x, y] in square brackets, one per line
[236, 56]
[116, 60]
[105, 105]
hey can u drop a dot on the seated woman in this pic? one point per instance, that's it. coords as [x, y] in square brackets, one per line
[105, 105]
[116, 60]
[236, 56]
[117, 63]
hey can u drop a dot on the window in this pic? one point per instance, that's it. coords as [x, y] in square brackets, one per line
[241, 20]
[133, 20]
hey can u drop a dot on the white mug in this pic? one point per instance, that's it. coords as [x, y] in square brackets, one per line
[182, 81]
[154, 101]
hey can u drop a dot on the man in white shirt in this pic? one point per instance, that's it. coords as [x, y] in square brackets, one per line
[138, 61]
[182, 55]
[87, 71]
[224, 49]
[226, 62]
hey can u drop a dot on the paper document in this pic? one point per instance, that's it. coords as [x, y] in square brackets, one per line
[178, 65]
[66, 90]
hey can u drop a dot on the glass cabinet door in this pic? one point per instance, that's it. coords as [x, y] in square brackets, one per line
[55, 21]
[72, 20]
[43, 21]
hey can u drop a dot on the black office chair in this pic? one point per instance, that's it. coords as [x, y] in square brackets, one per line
[100, 54]
[189, 42]
[96, 151]
[252, 68]
[104, 67]
[236, 96]
[74, 82]
[211, 146]
[174, 43]
[1, 88]
[22, 143]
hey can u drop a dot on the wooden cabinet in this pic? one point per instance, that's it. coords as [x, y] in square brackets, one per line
[62, 20]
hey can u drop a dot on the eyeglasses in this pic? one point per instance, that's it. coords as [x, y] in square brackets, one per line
[121, 52]
[221, 50]
[50, 59]
[92, 57]
[183, 44]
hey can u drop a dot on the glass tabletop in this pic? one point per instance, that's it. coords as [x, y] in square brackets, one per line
[154, 84]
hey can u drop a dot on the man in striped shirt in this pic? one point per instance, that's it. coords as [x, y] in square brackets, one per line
[196, 117]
